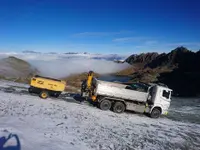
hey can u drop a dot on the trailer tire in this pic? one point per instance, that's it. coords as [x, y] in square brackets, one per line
[30, 90]
[105, 105]
[119, 107]
[44, 95]
[155, 113]
[56, 94]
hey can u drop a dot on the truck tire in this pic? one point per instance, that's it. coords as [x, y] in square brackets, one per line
[105, 105]
[119, 107]
[44, 95]
[155, 113]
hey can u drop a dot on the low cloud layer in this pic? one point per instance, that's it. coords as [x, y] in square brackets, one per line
[62, 68]
[61, 65]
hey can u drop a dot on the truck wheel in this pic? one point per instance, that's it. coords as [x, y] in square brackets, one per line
[44, 94]
[155, 113]
[105, 105]
[119, 107]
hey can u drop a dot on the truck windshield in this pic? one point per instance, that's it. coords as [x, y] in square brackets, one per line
[166, 94]
[139, 87]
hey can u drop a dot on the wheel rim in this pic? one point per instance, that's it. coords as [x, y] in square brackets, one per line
[156, 113]
[119, 108]
[44, 95]
[105, 106]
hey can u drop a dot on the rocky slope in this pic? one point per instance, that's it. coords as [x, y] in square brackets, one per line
[142, 58]
[16, 69]
[178, 69]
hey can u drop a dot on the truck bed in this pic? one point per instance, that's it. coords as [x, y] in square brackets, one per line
[117, 90]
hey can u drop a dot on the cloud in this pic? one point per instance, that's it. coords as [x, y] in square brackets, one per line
[184, 44]
[61, 68]
[100, 34]
[83, 34]
[129, 39]
[58, 66]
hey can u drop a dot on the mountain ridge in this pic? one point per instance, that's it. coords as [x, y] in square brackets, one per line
[179, 69]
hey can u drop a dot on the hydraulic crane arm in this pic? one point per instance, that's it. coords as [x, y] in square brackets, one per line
[89, 80]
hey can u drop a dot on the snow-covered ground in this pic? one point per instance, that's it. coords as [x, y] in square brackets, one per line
[55, 124]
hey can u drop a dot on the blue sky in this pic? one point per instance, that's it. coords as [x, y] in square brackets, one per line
[99, 26]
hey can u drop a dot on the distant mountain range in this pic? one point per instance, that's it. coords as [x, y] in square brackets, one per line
[30, 52]
[180, 58]
[179, 69]
[108, 57]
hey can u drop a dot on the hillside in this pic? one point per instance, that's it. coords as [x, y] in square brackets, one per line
[178, 69]
[142, 58]
[16, 69]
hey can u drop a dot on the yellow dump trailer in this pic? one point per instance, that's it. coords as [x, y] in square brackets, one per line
[45, 86]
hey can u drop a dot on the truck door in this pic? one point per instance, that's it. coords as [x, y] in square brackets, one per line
[165, 99]
[152, 95]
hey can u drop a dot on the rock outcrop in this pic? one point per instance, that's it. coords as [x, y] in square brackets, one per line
[179, 69]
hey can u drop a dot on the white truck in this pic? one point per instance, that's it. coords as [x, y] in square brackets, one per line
[139, 97]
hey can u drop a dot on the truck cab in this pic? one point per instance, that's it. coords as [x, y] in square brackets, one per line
[159, 99]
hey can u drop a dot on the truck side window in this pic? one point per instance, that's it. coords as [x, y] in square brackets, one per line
[166, 94]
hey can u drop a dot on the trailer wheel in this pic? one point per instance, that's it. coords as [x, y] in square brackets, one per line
[30, 90]
[119, 107]
[105, 105]
[44, 94]
[155, 113]
[57, 94]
